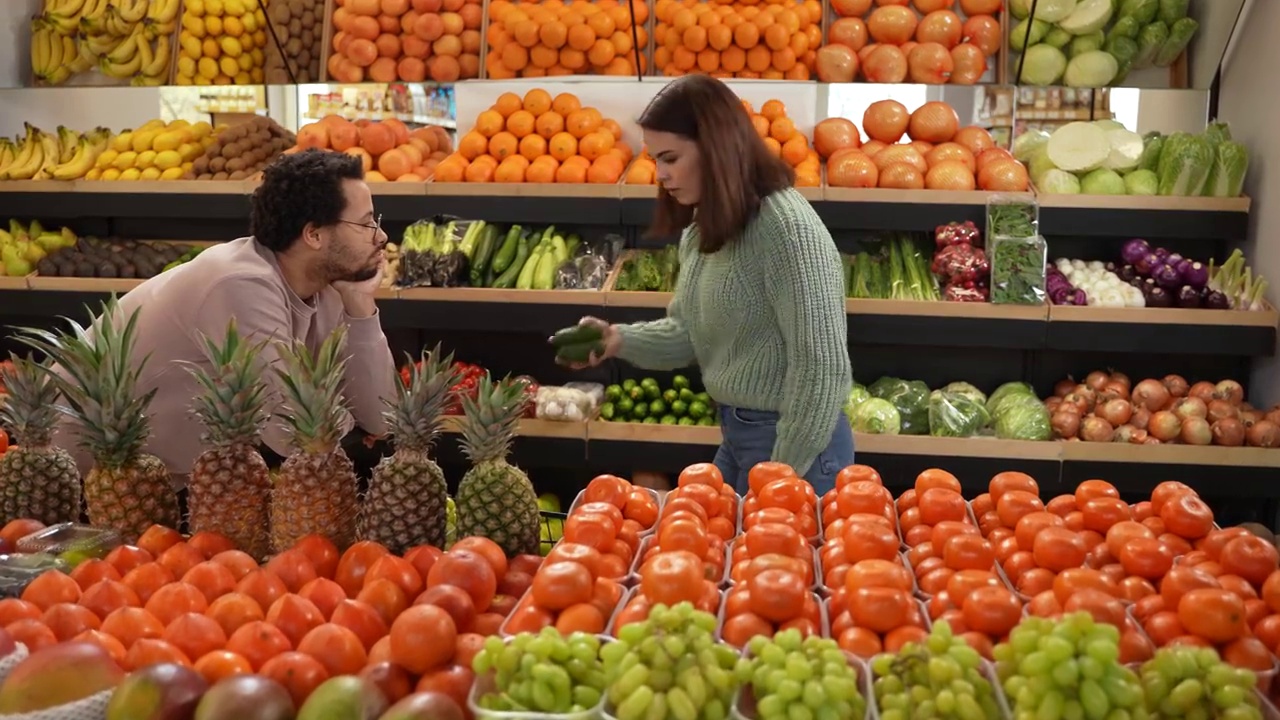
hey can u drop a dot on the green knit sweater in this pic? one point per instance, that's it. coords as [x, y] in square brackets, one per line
[764, 320]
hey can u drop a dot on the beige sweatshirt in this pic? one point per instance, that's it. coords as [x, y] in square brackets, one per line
[240, 279]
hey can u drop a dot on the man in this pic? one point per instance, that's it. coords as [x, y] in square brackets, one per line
[314, 261]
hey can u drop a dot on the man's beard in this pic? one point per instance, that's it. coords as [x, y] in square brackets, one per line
[338, 271]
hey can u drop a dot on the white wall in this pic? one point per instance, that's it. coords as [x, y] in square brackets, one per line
[1249, 102]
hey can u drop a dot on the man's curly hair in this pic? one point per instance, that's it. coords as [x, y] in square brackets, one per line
[297, 189]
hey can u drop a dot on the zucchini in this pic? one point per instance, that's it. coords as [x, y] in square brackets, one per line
[544, 277]
[561, 248]
[576, 335]
[580, 352]
[484, 249]
[505, 254]
[525, 279]
[515, 268]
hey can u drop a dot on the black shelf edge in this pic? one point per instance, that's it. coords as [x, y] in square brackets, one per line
[70, 205]
[543, 318]
[516, 208]
[1235, 340]
[1162, 224]
[892, 216]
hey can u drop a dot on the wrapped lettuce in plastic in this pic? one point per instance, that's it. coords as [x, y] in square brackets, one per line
[877, 417]
[1152, 145]
[1150, 40]
[910, 397]
[1226, 177]
[1144, 11]
[1022, 417]
[1006, 390]
[964, 388]
[1184, 164]
[857, 395]
[956, 414]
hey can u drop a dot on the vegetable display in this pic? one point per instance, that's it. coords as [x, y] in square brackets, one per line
[1149, 276]
[960, 263]
[1017, 270]
[1107, 407]
[645, 401]
[893, 269]
[1105, 158]
[649, 270]
[910, 398]
[1096, 43]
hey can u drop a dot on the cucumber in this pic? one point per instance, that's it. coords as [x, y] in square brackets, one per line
[484, 249]
[508, 278]
[505, 254]
[525, 280]
[579, 352]
[576, 335]
[574, 241]
[561, 248]
[544, 277]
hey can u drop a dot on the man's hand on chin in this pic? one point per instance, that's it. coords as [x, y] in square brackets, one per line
[358, 297]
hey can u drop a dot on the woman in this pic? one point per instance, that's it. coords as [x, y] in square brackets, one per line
[759, 303]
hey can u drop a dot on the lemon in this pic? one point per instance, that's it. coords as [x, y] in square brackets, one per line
[110, 174]
[175, 173]
[93, 174]
[201, 130]
[250, 22]
[195, 7]
[231, 47]
[178, 124]
[168, 159]
[191, 151]
[170, 140]
[146, 159]
[208, 68]
[185, 80]
[142, 139]
[252, 5]
[122, 142]
[246, 62]
[107, 158]
[222, 80]
[257, 75]
[150, 173]
[212, 49]
[213, 26]
[186, 65]
[229, 66]
[260, 39]
[190, 44]
[246, 41]
[131, 174]
[193, 25]
[187, 166]
[257, 57]
[125, 160]
[233, 27]
[234, 8]
[214, 7]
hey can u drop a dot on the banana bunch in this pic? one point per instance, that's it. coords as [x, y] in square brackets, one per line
[62, 155]
[124, 39]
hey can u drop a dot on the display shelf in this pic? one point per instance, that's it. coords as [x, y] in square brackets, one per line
[1212, 332]
[1190, 218]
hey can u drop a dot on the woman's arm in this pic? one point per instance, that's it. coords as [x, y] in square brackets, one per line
[808, 299]
[658, 345]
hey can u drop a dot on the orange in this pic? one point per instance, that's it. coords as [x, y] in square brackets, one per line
[221, 664]
[595, 144]
[489, 123]
[507, 103]
[563, 146]
[297, 672]
[503, 145]
[130, 624]
[537, 101]
[520, 123]
[50, 588]
[339, 649]
[581, 122]
[232, 611]
[549, 123]
[533, 146]
[195, 635]
[565, 103]
[258, 642]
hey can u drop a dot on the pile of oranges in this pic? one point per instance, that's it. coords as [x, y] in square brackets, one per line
[538, 139]
[406, 40]
[388, 150]
[578, 37]
[776, 130]
[776, 40]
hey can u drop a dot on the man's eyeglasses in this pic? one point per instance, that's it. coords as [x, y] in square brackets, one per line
[375, 227]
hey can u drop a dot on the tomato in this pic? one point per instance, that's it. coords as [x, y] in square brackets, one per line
[1250, 557]
[591, 528]
[672, 577]
[354, 563]
[938, 504]
[1018, 563]
[884, 63]
[453, 681]
[1187, 516]
[469, 571]
[787, 494]
[773, 538]
[863, 496]
[857, 473]
[992, 610]
[739, 629]
[1090, 489]
[1271, 591]
[1122, 532]
[878, 573]
[776, 595]
[1146, 557]
[1166, 491]
[423, 638]
[1057, 549]
[762, 474]
[863, 541]
[965, 582]
[1104, 607]
[1100, 513]
[1135, 647]
[1045, 604]
[1014, 504]
[1182, 579]
[1030, 525]
[947, 529]
[968, 552]
[880, 609]
[1163, 627]
[1248, 652]
[1062, 505]
[1213, 614]
[585, 555]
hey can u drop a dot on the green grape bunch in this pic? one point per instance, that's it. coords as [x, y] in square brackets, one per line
[803, 678]
[1068, 668]
[1193, 682]
[670, 667]
[543, 672]
[939, 677]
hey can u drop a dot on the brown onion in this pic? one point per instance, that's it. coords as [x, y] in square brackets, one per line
[1176, 385]
[1150, 441]
[1202, 390]
[1080, 402]
[1114, 389]
[1117, 411]
[1189, 407]
[1096, 379]
[1273, 415]
[1263, 434]
[1229, 390]
[1151, 395]
[1228, 433]
[1119, 377]
[1196, 431]
[1221, 410]
[1249, 417]
[1065, 423]
[1096, 429]
[1141, 418]
[1164, 426]
[1129, 434]
[1064, 386]
[1053, 403]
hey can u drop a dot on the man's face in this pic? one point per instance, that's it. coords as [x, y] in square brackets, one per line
[354, 251]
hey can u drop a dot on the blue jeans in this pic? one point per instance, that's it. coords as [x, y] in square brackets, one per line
[749, 436]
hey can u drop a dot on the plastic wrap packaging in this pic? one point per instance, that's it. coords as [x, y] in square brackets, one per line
[955, 414]
[93, 707]
[1018, 275]
[564, 404]
[595, 390]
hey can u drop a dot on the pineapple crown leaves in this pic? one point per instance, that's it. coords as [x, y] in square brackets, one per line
[491, 418]
[314, 409]
[233, 404]
[31, 407]
[413, 416]
[100, 382]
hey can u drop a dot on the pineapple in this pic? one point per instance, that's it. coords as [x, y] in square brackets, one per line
[127, 490]
[407, 495]
[495, 499]
[315, 491]
[230, 485]
[37, 480]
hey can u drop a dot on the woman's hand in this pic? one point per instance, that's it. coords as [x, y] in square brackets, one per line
[609, 337]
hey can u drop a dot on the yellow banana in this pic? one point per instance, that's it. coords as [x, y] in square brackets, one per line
[29, 161]
[40, 51]
[69, 7]
[127, 50]
[161, 53]
[61, 75]
[60, 23]
[162, 11]
[7, 154]
[80, 163]
[71, 56]
[50, 152]
[93, 17]
[131, 11]
[100, 45]
[121, 70]
[68, 141]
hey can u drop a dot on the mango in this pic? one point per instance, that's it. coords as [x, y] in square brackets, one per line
[347, 697]
[158, 692]
[58, 675]
[246, 697]
[424, 706]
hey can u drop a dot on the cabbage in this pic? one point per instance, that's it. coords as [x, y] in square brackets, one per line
[1217, 132]
[857, 396]
[1039, 165]
[953, 414]
[1078, 147]
[1126, 149]
[1171, 11]
[1046, 10]
[1086, 43]
[1057, 37]
[1141, 182]
[1102, 182]
[1153, 143]
[1123, 49]
[876, 417]
[1043, 65]
[910, 397]
[1089, 16]
[1184, 164]
[1093, 69]
[1018, 38]
[1143, 11]
[1109, 125]
[1020, 9]
[1150, 40]
[1025, 145]
[1125, 27]
[1059, 182]
[1226, 176]
[964, 388]
[1022, 417]
[1007, 390]
[1180, 34]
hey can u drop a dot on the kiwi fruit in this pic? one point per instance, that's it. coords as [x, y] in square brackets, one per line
[217, 164]
[221, 176]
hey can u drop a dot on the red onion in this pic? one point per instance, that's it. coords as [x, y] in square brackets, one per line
[1119, 377]
[1228, 432]
[1114, 389]
[1065, 423]
[1229, 390]
[1064, 386]
[1081, 403]
[1189, 407]
[1164, 426]
[1202, 390]
[1096, 379]
[1151, 395]
[1117, 411]
[1141, 418]
[1263, 434]
[1196, 431]
[1176, 385]
[1095, 429]
[1221, 410]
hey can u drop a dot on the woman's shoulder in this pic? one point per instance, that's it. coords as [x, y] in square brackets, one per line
[788, 212]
